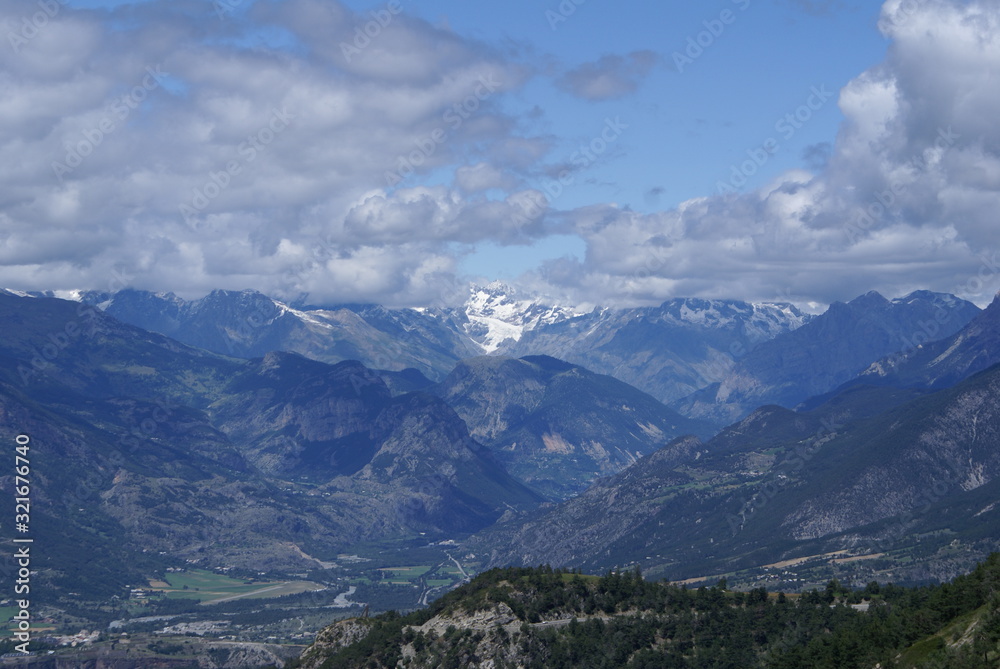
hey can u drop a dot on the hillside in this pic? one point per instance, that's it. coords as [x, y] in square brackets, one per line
[912, 480]
[668, 351]
[147, 447]
[829, 350]
[554, 619]
[558, 426]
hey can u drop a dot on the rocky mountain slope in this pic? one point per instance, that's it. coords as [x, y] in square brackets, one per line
[929, 362]
[870, 472]
[826, 352]
[668, 351]
[145, 443]
[558, 426]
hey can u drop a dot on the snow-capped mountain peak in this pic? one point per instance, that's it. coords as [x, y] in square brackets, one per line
[499, 313]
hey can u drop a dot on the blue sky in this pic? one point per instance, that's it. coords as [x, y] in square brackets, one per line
[743, 167]
[687, 129]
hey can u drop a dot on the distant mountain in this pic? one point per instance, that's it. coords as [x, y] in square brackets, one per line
[340, 429]
[248, 324]
[826, 352]
[558, 426]
[498, 315]
[668, 351]
[146, 444]
[930, 362]
[914, 482]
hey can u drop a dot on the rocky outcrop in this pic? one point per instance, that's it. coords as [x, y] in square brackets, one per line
[334, 637]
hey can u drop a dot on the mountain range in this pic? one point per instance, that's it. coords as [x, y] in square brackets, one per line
[237, 431]
[714, 360]
[668, 351]
[558, 426]
[906, 474]
[222, 461]
[830, 350]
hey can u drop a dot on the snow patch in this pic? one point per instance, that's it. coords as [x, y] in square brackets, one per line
[497, 313]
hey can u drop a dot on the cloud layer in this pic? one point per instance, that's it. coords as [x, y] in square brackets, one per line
[909, 197]
[302, 149]
[611, 76]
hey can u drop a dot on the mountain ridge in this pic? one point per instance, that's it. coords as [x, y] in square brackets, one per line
[831, 349]
[780, 484]
[556, 425]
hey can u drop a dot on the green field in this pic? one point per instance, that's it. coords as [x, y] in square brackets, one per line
[438, 582]
[6, 613]
[210, 588]
[406, 573]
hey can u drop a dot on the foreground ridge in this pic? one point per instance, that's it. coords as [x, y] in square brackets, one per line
[544, 617]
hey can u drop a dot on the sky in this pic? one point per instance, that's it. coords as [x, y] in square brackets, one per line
[593, 153]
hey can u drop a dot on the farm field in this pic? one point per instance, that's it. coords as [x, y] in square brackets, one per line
[6, 613]
[211, 588]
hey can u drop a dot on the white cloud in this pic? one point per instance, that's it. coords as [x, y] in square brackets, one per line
[481, 177]
[268, 149]
[611, 76]
[303, 205]
[907, 199]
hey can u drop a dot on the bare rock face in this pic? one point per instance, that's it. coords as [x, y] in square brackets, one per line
[555, 425]
[332, 638]
[668, 351]
[859, 473]
[481, 619]
[828, 351]
[950, 451]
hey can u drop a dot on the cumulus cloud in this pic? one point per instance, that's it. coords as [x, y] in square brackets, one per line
[611, 76]
[906, 197]
[192, 153]
[482, 177]
[287, 149]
